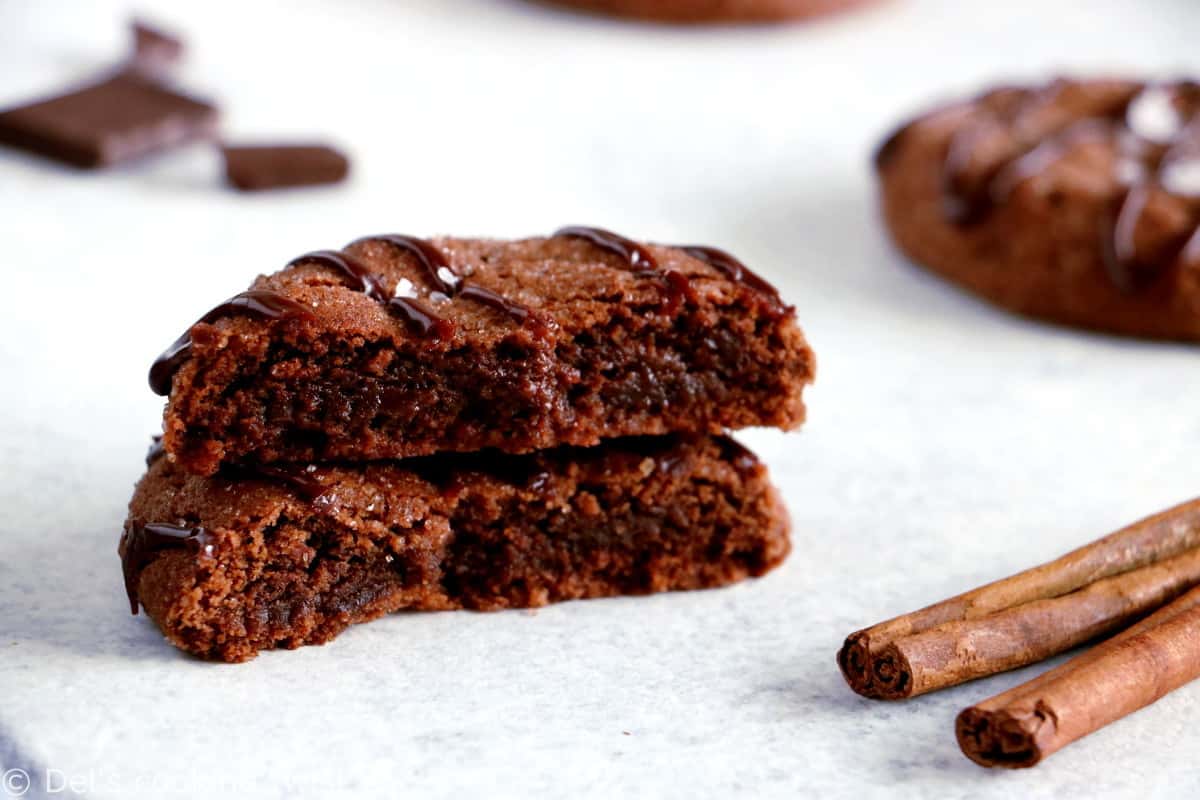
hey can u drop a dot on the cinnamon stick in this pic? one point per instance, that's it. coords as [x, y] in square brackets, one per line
[1022, 726]
[891, 660]
[957, 652]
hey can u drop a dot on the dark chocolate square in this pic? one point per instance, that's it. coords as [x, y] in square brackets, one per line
[255, 168]
[117, 119]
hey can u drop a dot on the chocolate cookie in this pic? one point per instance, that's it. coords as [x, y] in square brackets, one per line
[709, 11]
[1076, 202]
[400, 347]
[287, 555]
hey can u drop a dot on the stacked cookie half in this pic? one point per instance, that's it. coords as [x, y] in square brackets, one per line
[453, 423]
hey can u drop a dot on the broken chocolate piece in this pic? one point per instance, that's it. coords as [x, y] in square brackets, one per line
[281, 166]
[154, 50]
[117, 119]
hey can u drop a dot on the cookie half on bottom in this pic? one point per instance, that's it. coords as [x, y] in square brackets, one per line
[286, 556]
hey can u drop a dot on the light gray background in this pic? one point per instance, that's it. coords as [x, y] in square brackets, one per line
[948, 444]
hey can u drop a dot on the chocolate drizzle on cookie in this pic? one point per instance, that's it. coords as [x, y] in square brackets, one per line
[156, 451]
[1014, 135]
[304, 481]
[362, 278]
[446, 283]
[637, 255]
[421, 319]
[639, 258]
[142, 542]
[678, 285]
[266, 304]
[431, 260]
[419, 316]
[743, 459]
[737, 272]
[489, 298]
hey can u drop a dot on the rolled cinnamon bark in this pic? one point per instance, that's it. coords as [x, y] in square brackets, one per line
[869, 665]
[1022, 726]
[960, 651]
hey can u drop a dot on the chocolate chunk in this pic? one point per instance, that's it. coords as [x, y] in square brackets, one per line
[279, 166]
[154, 50]
[117, 119]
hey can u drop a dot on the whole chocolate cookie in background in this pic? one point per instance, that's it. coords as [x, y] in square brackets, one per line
[1077, 202]
[710, 11]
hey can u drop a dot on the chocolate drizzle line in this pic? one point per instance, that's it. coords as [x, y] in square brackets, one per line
[308, 484]
[156, 450]
[637, 255]
[679, 288]
[142, 542]
[678, 285]
[640, 259]
[970, 199]
[304, 481]
[421, 319]
[428, 257]
[445, 280]
[266, 304]
[743, 459]
[736, 271]
[442, 275]
[419, 316]
[489, 298]
[364, 280]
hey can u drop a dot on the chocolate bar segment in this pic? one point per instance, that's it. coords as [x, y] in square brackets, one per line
[255, 168]
[411, 347]
[120, 118]
[234, 564]
[155, 52]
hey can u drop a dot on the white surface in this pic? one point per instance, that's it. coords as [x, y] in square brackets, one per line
[948, 444]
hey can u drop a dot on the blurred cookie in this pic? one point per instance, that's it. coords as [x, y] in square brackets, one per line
[708, 11]
[1077, 202]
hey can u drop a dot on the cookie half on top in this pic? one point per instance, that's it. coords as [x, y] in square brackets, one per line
[1077, 202]
[398, 347]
